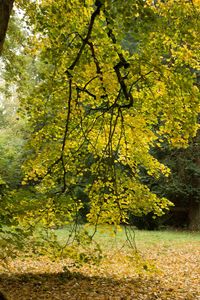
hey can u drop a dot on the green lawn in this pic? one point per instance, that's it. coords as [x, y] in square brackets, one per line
[108, 236]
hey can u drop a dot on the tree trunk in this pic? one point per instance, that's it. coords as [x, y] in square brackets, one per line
[194, 216]
[194, 210]
[5, 11]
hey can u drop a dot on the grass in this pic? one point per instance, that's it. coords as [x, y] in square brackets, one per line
[167, 237]
[108, 235]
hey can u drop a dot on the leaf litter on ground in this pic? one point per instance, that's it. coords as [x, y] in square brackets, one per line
[158, 271]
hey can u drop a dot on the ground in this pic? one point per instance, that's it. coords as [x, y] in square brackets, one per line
[167, 267]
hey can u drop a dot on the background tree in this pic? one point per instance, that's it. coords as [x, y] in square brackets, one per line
[11, 143]
[182, 187]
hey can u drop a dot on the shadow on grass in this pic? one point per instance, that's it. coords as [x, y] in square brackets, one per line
[67, 285]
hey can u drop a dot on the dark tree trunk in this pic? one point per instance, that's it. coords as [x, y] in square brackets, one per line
[194, 216]
[5, 11]
[194, 209]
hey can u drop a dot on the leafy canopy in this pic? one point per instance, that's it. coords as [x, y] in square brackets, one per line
[103, 82]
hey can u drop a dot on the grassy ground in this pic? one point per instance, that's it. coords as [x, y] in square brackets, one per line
[167, 268]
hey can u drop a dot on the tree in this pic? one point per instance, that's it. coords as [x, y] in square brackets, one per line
[11, 146]
[185, 180]
[182, 187]
[97, 107]
[5, 11]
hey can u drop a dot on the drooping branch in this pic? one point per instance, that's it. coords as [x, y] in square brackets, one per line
[66, 131]
[86, 39]
[98, 68]
[121, 64]
[128, 96]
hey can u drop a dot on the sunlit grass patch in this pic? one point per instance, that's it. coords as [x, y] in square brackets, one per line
[109, 235]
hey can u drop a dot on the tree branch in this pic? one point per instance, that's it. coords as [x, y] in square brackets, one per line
[86, 39]
[121, 64]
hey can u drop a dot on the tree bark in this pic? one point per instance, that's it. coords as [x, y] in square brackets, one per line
[5, 11]
[194, 216]
[194, 209]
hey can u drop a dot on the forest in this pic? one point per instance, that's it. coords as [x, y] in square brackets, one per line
[99, 149]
